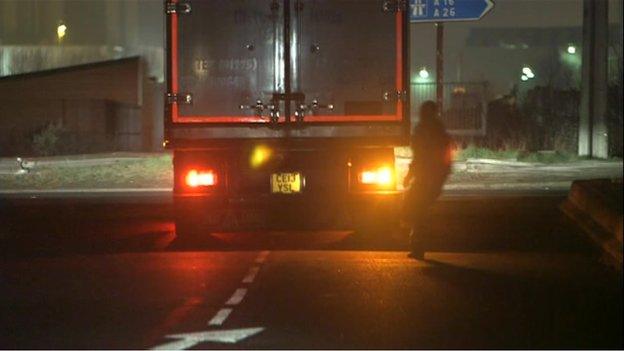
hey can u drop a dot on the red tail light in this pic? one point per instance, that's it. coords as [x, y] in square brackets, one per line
[200, 178]
[382, 177]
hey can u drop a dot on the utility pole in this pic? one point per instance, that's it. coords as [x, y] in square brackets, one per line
[440, 66]
[593, 131]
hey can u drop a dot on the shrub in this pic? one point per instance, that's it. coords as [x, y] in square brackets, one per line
[473, 151]
[47, 142]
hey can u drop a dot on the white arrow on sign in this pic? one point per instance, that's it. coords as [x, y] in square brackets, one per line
[188, 340]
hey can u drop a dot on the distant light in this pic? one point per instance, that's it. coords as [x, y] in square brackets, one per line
[459, 90]
[424, 74]
[61, 31]
[571, 49]
[524, 78]
[527, 70]
[530, 75]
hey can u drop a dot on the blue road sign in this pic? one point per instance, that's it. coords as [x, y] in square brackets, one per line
[448, 10]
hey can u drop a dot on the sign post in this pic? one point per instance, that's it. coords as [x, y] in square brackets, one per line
[440, 67]
[440, 11]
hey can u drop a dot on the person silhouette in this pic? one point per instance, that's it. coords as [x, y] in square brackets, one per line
[428, 171]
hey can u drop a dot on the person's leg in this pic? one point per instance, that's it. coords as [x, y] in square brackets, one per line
[427, 194]
[412, 209]
[418, 235]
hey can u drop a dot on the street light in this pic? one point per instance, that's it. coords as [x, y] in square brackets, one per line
[527, 73]
[571, 49]
[61, 31]
[423, 73]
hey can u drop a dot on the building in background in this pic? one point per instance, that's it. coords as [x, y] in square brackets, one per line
[517, 47]
[38, 35]
[514, 34]
[90, 108]
[524, 57]
[50, 50]
[528, 55]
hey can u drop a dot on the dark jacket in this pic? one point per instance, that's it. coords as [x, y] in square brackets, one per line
[431, 164]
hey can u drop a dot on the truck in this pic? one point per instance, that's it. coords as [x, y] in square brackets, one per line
[285, 113]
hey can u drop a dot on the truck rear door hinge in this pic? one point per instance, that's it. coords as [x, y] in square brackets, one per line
[395, 95]
[182, 98]
[178, 7]
[394, 6]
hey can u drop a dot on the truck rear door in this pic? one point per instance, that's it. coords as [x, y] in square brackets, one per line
[222, 55]
[348, 57]
[239, 63]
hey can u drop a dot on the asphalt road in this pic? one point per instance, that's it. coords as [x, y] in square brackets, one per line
[501, 272]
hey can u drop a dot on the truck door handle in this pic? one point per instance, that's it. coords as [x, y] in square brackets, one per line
[316, 105]
[313, 107]
[259, 107]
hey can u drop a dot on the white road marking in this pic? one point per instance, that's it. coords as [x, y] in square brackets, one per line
[262, 256]
[251, 275]
[237, 297]
[232, 336]
[220, 317]
[188, 340]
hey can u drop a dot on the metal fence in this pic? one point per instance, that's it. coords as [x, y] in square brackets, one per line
[464, 106]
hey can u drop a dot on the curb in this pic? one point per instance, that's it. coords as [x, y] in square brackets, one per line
[70, 191]
[12, 168]
[507, 163]
[595, 205]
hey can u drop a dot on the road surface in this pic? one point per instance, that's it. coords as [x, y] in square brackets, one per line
[501, 272]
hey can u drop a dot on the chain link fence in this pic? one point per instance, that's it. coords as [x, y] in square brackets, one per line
[464, 106]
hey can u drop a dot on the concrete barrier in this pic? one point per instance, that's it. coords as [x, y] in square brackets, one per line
[596, 206]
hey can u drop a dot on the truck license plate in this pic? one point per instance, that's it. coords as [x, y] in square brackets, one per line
[286, 183]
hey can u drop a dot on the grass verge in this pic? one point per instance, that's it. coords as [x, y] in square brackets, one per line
[518, 155]
[150, 172]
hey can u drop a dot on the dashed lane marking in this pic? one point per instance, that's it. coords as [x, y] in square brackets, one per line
[220, 317]
[237, 297]
[262, 256]
[251, 275]
[232, 336]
